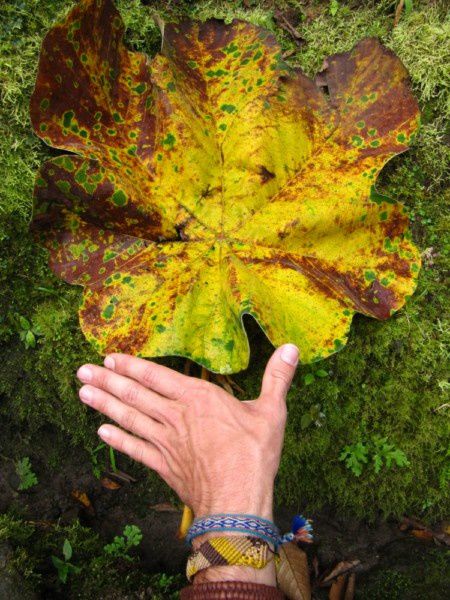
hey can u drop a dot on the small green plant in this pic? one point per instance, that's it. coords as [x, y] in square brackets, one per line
[314, 416]
[408, 4]
[334, 7]
[96, 465]
[378, 451]
[27, 332]
[386, 454]
[355, 457]
[122, 544]
[112, 459]
[311, 377]
[26, 475]
[65, 567]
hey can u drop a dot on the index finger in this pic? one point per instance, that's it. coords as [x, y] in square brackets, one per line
[163, 380]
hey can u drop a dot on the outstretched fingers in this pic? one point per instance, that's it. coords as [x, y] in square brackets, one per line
[127, 390]
[127, 417]
[160, 379]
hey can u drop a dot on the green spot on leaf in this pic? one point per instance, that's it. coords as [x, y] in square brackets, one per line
[169, 141]
[229, 108]
[119, 198]
[67, 118]
[140, 89]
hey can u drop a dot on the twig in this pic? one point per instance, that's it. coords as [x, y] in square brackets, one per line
[121, 475]
[221, 380]
[398, 12]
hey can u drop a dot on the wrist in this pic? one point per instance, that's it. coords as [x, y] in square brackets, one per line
[259, 505]
[266, 575]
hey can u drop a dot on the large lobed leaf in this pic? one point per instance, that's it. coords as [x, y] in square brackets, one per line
[213, 181]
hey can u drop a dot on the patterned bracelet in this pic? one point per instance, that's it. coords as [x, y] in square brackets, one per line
[245, 551]
[235, 523]
[251, 525]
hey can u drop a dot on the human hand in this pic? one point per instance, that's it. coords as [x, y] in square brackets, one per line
[219, 454]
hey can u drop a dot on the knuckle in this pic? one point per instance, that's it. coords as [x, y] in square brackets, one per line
[159, 465]
[149, 377]
[182, 394]
[175, 417]
[129, 420]
[131, 395]
[120, 444]
[102, 377]
[195, 388]
[280, 374]
[200, 390]
[138, 453]
[100, 402]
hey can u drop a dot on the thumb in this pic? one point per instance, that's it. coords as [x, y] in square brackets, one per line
[279, 373]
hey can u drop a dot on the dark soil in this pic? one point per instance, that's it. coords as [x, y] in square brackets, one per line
[393, 564]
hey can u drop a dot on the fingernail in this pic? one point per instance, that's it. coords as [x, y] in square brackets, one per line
[84, 373]
[289, 354]
[109, 363]
[104, 433]
[86, 395]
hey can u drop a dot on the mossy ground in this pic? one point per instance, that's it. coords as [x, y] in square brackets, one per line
[389, 381]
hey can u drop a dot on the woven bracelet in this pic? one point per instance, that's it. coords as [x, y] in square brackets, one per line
[245, 551]
[251, 525]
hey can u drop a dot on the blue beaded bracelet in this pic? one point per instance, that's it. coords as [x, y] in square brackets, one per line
[253, 525]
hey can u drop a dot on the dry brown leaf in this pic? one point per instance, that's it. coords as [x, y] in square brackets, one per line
[350, 591]
[109, 484]
[164, 507]
[83, 499]
[342, 567]
[337, 589]
[315, 564]
[422, 534]
[293, 573]
[414, 527]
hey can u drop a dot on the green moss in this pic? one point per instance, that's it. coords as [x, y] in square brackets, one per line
[420, 572]
[389, 380]
[422, 41]
[99, 574]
